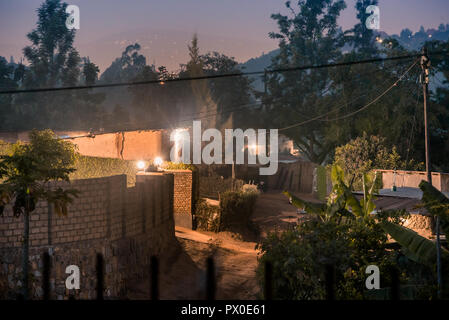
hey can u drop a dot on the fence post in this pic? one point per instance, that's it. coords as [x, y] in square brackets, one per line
[154, 276]
[210, 279]
[100, 276]
[394, 284]
[268, 281]
[330, 282]
[46, 275]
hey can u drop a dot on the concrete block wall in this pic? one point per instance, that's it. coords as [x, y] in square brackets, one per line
[126, 225]
[184, 197]
[402, 178]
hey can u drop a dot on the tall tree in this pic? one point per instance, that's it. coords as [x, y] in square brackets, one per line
[363, 38]
[308, 36]
[202, 104]
[53, 62]
[230, 94]
[7, 82]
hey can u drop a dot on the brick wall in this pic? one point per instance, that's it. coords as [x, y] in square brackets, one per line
[126, 225]
[186, 191]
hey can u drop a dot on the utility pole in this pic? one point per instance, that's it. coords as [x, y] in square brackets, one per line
[425, 66]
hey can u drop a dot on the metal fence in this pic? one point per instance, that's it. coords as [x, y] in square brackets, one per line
[210, 288]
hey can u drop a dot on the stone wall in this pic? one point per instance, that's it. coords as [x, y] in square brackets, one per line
[126, 225]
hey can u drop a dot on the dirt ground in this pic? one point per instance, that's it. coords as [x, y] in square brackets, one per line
[183, 269]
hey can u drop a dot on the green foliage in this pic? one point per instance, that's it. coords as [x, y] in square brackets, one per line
[179, 166]
[418, 248]
[207, 217]
[95, 167]
[26, 174]
[306, 37]
[436, 204]
[299, 258]
[235, 208]
[27, 169]
[342, 232]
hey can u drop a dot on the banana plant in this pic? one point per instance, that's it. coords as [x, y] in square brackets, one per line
[436, 203]
[341, 202]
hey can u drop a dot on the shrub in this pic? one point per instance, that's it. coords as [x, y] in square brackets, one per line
[207, 217]
[299, 258]
[235, 208]
[363, 154]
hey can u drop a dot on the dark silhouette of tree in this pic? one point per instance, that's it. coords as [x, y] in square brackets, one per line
[308, 36]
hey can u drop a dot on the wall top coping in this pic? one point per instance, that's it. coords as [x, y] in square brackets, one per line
[411, 172]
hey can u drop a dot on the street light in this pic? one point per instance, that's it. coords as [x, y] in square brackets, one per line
[141, 165]
[158, 162]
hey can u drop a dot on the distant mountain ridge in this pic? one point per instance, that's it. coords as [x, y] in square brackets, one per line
[406, 38]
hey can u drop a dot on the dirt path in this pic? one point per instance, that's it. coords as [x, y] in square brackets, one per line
[273, 212]
[183, 269]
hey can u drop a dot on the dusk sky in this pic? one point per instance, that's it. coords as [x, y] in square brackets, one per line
[238, 28]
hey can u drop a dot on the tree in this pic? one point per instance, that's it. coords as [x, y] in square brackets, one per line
[341, 233]
[53, 62]
[228, 93]
[363, 38]
[7, 82]
[201, 102]
[362, 155]
[27, 175]
[127, 67]
[309, 36]
[90, 72]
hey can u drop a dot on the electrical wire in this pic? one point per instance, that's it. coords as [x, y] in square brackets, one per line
[236, 74]
[354, 112]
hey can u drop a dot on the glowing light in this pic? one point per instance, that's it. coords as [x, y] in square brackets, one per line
[158, 161]
[253, 148]
[141, 165]
[179, 135]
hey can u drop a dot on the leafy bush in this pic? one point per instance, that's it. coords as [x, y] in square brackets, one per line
[363, 154]
[235, 208]
[299, 258]
[207, 217]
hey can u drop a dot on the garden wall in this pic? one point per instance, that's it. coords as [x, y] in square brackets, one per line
[126, 225]
[413, 179]
[130, 145]
[296, 177]
[185, 195]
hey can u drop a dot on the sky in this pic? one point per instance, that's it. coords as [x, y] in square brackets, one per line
[163, 28]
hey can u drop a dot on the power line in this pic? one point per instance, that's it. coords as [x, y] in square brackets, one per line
[208, 115]
[354, 112]
[227, 75]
